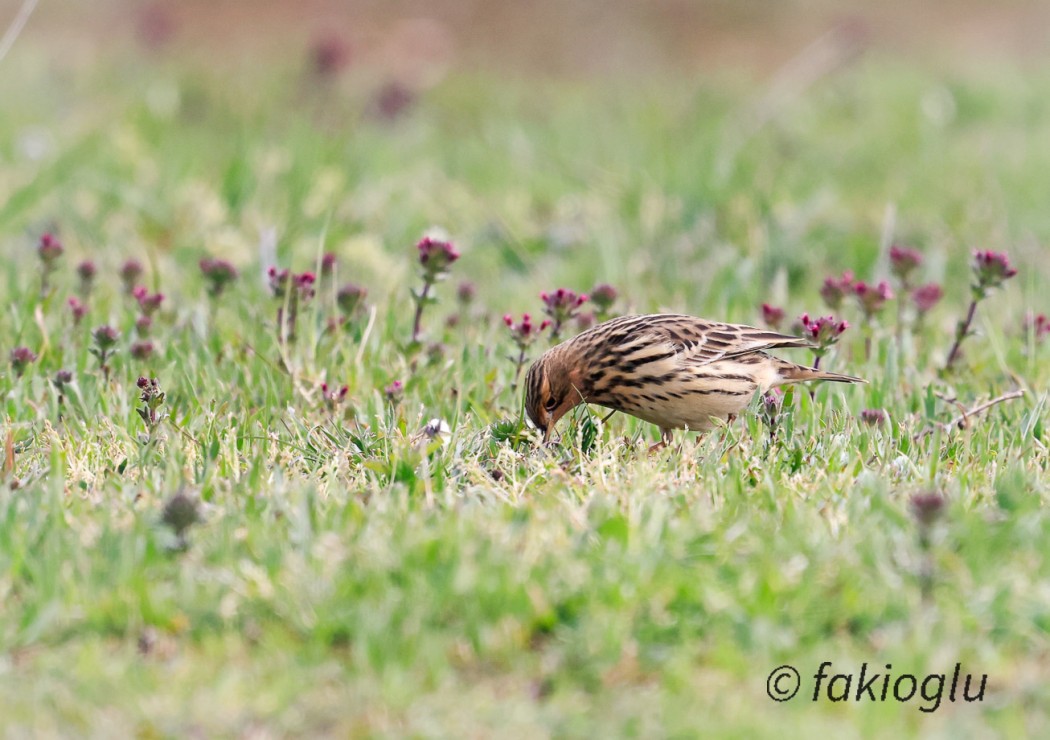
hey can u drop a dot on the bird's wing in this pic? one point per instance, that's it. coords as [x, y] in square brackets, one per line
[658, 348]
[697, 341]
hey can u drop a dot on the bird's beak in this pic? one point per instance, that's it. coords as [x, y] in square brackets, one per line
[554, 418]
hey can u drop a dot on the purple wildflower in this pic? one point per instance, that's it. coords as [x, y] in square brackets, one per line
[903, 262]
[874, 417]
[823, 332]
[394, 391]
[772, 316]
[603, 296]
[991, 269]
[561, 305]
[142, 349]
[130, 272]
[927, 507]
[77, 309]
[333, 396]
[436, 256]
[21, 358]
[925, 297]
[49, 250]
[466, 292]
[834, 290]
[872, 298]
[148, 302]
[218, 274]
[350, 298]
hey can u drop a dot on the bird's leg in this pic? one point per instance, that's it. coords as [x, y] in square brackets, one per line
[666, 437]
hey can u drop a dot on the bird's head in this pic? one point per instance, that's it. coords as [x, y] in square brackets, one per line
[552, 389]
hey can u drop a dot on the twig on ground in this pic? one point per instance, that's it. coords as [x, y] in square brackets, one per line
[962, 421]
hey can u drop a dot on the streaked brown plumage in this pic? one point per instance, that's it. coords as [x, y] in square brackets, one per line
[675, 371]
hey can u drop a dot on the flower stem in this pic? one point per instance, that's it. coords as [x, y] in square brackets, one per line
[517, 370]
[905, 290]
[961, 330]
[293, 317]
[420, 303]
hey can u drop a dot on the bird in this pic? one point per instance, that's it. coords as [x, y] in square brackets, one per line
[672, 370]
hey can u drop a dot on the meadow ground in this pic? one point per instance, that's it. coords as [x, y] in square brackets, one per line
[255, 554]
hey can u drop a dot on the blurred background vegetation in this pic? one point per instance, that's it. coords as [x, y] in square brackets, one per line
[556, 37]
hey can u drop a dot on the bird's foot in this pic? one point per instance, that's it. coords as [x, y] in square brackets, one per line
[666, 437]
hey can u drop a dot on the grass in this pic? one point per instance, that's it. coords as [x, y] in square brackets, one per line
[350, 576]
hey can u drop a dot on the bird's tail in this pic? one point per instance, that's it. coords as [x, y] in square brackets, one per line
[792, 373]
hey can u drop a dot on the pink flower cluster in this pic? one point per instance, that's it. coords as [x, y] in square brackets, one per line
[927, 507]
[292, 290]
[302, 283]
[562, 300]
[925, 297]
[1039, 326]
[334, 396]
[77, 308]
[773, 316]
[21, 358]
[872, 298]
[561, 305]
[218, 273]
[329, 54]
[49, 249]
[835, 289]
[142, 349]
[991, 269]
[525, 332]
[904, 261]
[874, 417]
[153, 398]
[436, 256]
[148, 302]
[603, 296]
[86, 271]
[350, 298]
[130, 272]
[772, 404]
[823, 331]
[105, 337]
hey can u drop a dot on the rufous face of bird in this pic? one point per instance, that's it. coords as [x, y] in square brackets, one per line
[672, 370]
[552, 389]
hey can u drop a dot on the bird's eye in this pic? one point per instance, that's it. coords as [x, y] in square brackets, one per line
[551, 404]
